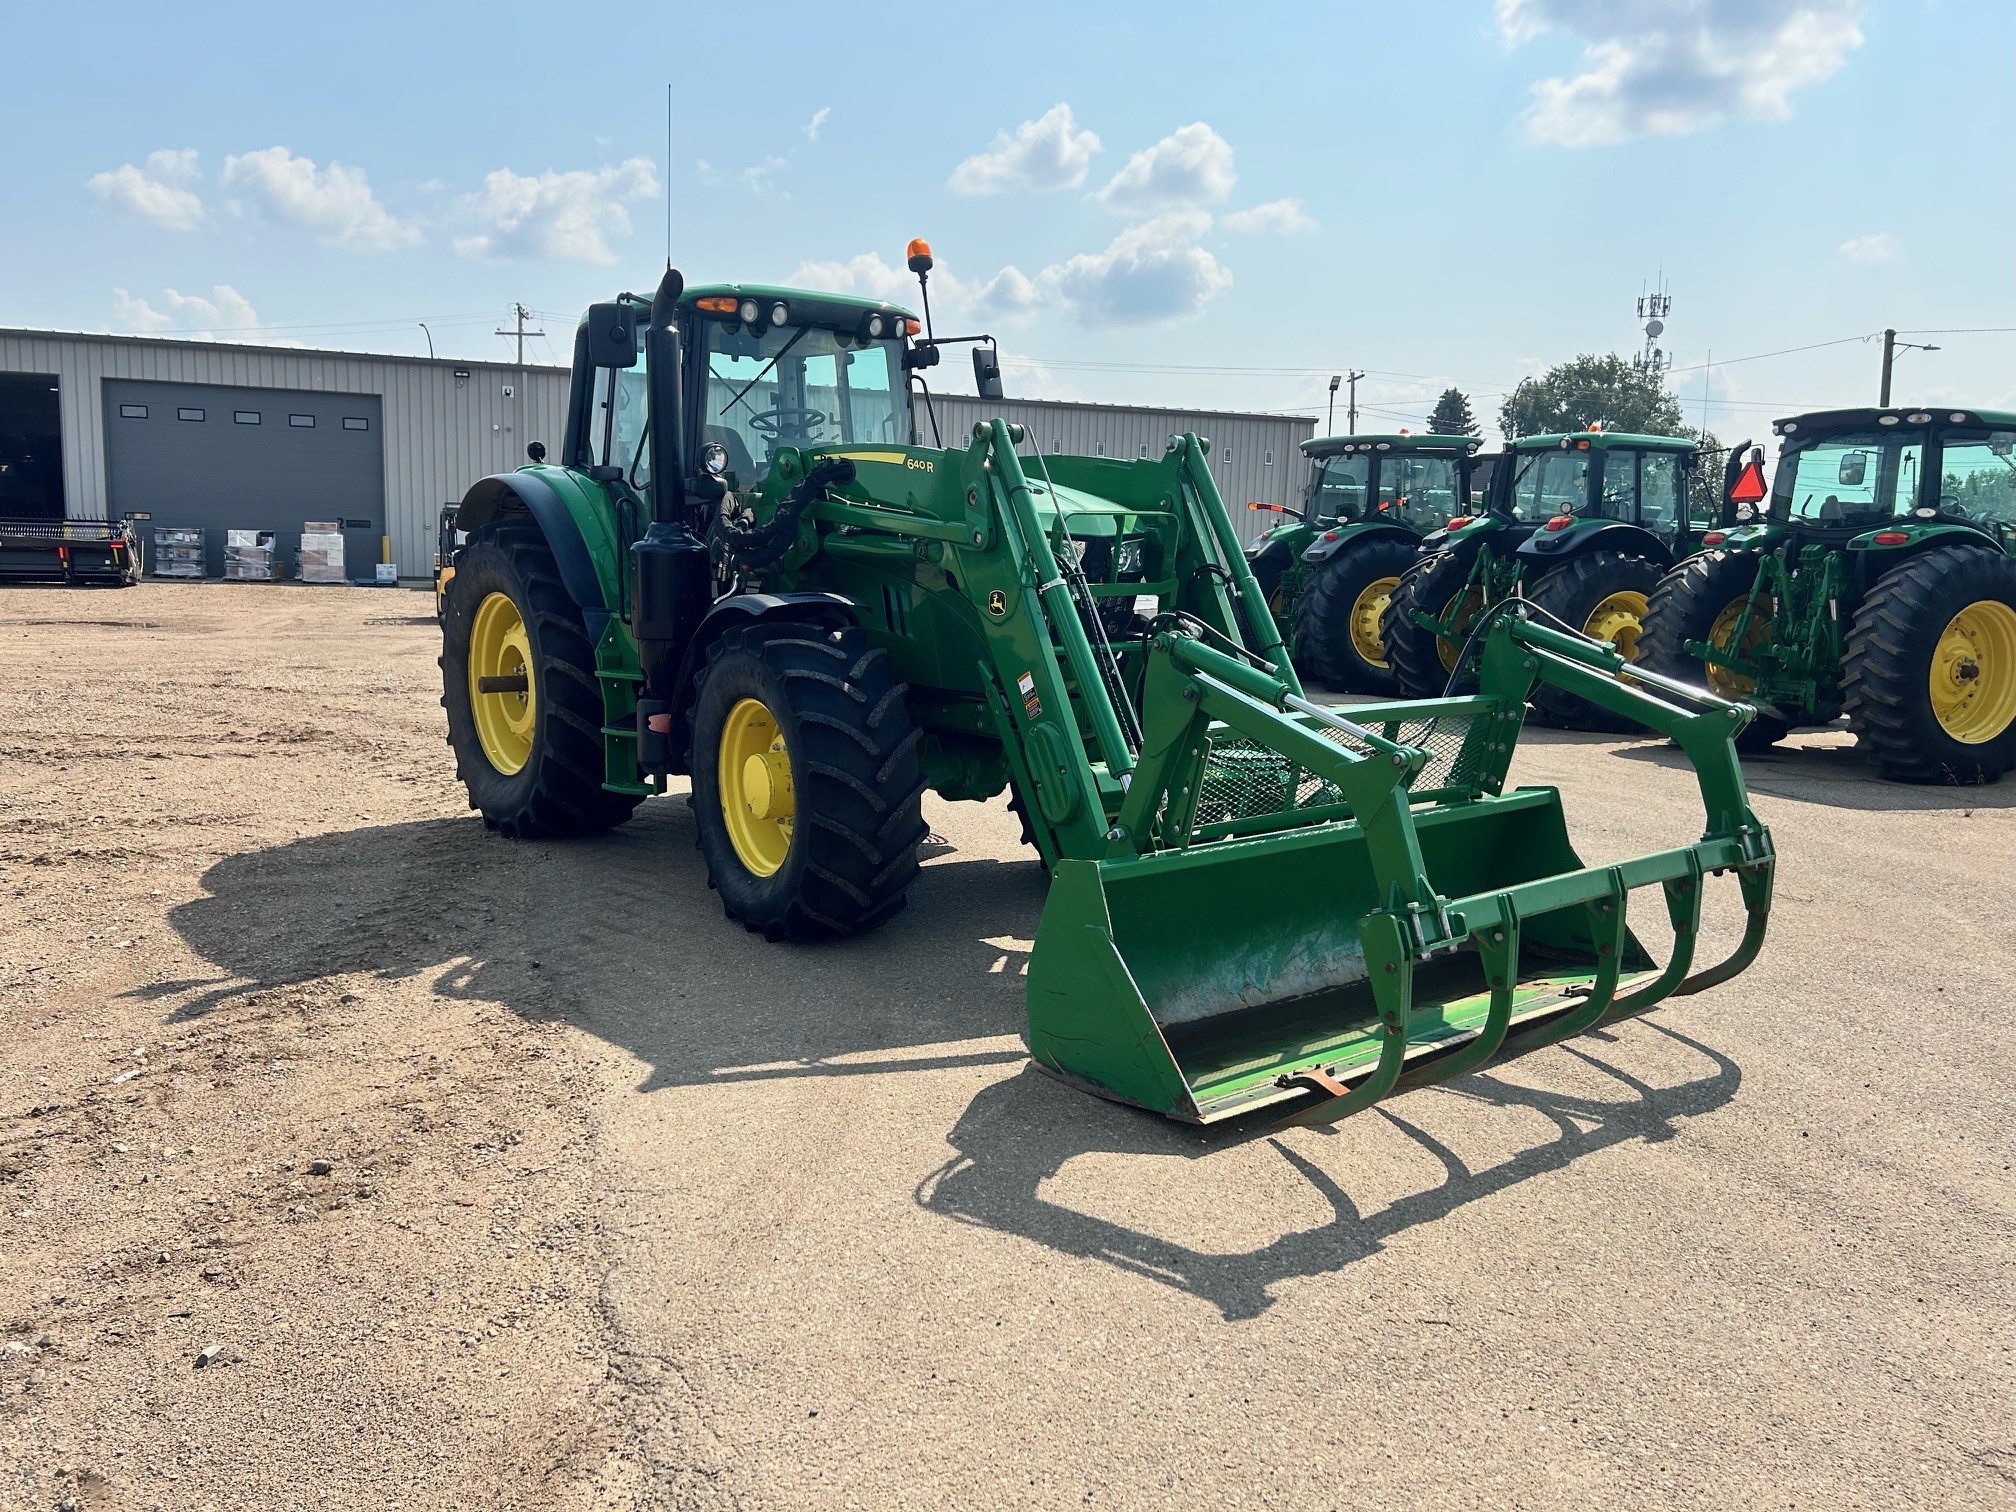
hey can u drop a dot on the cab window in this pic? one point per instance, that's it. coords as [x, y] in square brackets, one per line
[1619, 498]
[1850, 479]
[1419, 490]
[1551, 483]
[616, 428]
[794, 386]
[1659, 489]
[1339, 489]
[1977, 476]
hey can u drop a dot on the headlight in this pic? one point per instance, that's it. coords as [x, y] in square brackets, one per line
[1128, 561]
[779, 315]
[749, 310]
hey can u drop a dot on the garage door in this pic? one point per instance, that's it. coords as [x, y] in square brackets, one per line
[217, 458]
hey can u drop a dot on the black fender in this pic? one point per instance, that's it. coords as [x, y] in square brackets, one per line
[1465, 545]
[733, 612]
[492, 498]
[1265, 550]
[1321, 550]
[1549, 548]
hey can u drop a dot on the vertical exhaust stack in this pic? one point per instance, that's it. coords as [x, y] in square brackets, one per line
[671, 581]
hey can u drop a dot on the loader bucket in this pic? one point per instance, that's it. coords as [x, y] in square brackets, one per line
[1280, 949]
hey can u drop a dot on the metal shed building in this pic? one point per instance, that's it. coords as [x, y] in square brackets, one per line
[217, 435]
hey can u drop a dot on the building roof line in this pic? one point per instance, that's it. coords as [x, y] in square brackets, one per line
[277, 351]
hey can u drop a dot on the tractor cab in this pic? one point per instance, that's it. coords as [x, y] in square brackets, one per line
[1556, 494]
[1416, 481]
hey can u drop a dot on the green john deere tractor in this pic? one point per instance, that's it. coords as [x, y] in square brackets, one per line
[1330, 568]
[745, 574]
[1879, 584]
[1582, 525]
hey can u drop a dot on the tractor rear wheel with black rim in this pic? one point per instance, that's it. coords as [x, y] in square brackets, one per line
[1930, 675]
[1703, 599]
[806, 786]
[518, 682]
[1337, 634]
[1422, 660]
[1603, 594]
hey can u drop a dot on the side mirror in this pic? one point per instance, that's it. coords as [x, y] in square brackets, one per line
[536, 451]
[1854, 468]
[612, 336]
[987, 372]
[714, 458]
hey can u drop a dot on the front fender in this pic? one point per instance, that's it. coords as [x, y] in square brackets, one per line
[1464, 544]
[1330, 542]
[745, 609]
[1918, 537]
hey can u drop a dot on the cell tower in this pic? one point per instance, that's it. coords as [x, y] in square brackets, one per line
[1653, 308]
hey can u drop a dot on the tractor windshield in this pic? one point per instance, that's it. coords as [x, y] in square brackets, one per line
[1338, 492]
[1977, 477]
[1550, 483]
[794, 385]
[1851, 478]
[1418, 489]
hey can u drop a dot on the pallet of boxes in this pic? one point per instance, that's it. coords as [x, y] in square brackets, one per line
[321, 555]
[249, 556]
[178, 552]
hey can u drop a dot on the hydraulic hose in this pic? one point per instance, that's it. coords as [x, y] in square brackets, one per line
[745, 544]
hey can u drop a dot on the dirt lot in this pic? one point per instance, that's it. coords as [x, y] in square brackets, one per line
[510, 1175]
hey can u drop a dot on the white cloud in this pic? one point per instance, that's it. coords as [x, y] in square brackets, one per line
[226, 316]
[158, 192]
[334, 202]
[558, 215]
[1009, 292]
[1153, 271]
[1670, 67]
[813, 127]
[1191, 166]
[1049, 152]
[756, 178]
[1283, 216]
[1877, 247]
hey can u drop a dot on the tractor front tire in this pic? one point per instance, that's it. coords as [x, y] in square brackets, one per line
[1930, 675]
[806, 785]
[530, 754]
[1421, 660]
[1602, 594]
[1702, 599]
[1337, 624]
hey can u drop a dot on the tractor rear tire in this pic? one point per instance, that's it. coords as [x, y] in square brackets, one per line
[1421, 661]
[1602, 594]
[806, 785]
[532, 760]
[1930, 675]
[1699, 600]
[1337, 625]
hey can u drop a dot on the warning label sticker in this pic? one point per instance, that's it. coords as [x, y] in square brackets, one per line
[1031, 704]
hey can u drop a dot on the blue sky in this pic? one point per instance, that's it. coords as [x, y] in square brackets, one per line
[1149, 204]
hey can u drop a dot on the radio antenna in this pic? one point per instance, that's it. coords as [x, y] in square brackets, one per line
[668, 175]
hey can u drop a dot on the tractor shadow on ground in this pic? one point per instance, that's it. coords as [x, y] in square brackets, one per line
[620, 935]
[1833, 776]
[1020, 1132]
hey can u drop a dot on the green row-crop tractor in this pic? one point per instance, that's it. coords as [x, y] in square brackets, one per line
[1582, 525]
[743, 570]
[1329, 570]
[1879, 584]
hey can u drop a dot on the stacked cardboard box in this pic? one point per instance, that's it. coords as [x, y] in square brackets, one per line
[321, 554]
[248, 556]
[178, 552]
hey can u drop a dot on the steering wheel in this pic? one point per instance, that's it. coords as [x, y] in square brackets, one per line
[771, 423]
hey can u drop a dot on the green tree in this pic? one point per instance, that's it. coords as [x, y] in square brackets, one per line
[1587, 389]
[1452, 415]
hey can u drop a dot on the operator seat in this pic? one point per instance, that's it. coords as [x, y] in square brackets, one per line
[1830, 511]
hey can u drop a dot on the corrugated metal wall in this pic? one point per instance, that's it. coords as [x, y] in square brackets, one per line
[1253, 457]
[440, 433]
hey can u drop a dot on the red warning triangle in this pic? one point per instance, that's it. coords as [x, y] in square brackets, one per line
[1749, 487]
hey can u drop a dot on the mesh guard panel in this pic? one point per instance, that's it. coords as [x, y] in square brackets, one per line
[1244, 779]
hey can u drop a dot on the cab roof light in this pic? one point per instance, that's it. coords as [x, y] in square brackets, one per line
[912, 326]
[716, 304]
[918, 255]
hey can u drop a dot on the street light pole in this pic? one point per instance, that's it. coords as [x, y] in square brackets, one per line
[430, 336]
[1330, 425]
[1891, 347]
[1351, 406]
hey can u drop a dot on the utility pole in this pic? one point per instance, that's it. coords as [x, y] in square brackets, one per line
[1891, 347]
[521, 333]
[1330, 425]
[1351, 407]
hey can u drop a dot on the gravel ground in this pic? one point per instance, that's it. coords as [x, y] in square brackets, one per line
[512, 1175]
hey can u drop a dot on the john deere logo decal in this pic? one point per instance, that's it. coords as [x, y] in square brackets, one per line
[997, 603]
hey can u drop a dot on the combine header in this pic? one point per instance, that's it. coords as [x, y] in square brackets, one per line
[1254, 899]
[75, 553]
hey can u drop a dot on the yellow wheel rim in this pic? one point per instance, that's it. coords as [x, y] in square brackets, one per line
[500, 650]
[1459, 614]
[1973, 673]
[1618, 620]
[759, 802]
[1721, 680]
[1366, 610]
